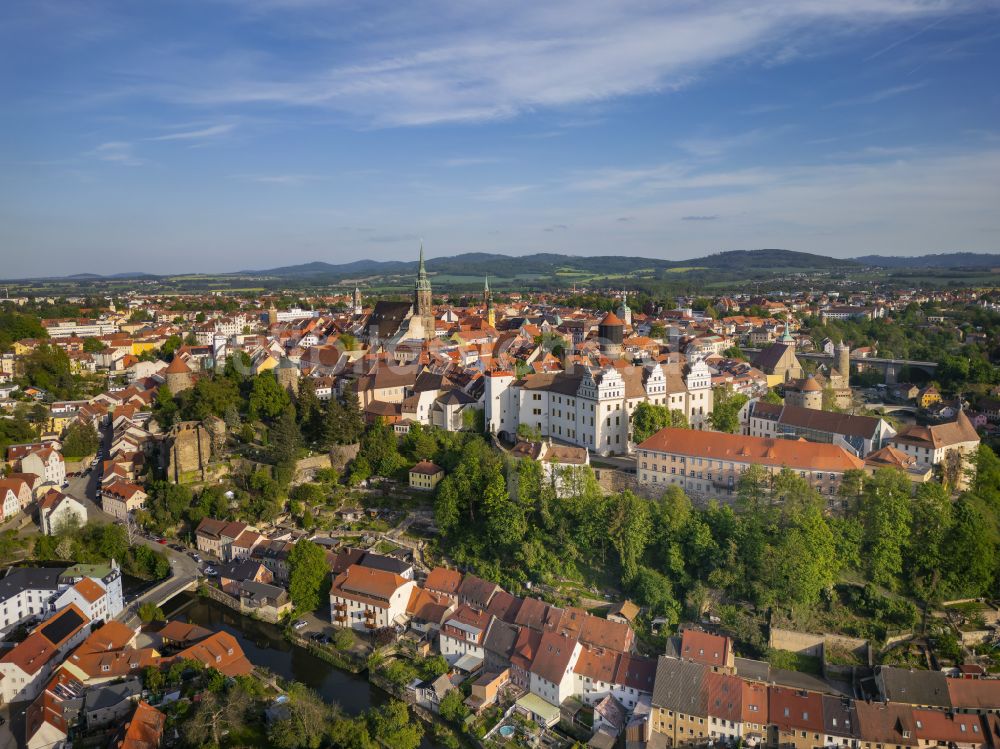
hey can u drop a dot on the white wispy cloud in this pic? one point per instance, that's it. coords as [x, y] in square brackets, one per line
[461, 161]
[279, 179]
[503, 192]
[908, 204]
[446, 63]
[213, 131]
[876, 96]
[117, 152]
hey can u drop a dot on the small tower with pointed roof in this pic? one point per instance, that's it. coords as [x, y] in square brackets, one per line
[423, 306]
[357, 301]
[625, 312]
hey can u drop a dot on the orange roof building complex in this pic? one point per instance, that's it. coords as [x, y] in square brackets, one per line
[709, 464]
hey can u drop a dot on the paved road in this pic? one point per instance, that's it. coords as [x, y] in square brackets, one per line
[13, 714]
[184, 570]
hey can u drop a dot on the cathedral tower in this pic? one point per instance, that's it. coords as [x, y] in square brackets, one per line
[422, 303]
[491, 317]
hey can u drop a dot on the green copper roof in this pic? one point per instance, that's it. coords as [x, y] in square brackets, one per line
[423, 282]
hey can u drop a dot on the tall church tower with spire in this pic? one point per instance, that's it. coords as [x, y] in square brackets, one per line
[491, 315]
[358, 309]
[422, 302]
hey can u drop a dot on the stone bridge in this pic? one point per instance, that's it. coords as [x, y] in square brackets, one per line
[890, 368]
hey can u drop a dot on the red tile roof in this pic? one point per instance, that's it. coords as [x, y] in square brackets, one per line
[799, 454]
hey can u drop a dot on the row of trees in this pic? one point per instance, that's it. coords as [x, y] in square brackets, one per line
[304, 721]
[95, 544]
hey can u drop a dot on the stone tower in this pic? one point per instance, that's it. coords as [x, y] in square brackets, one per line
[843, 357]
[357, 301]
[272, 314]
[610, 334]
[178, 376]
[422, 303]
[491, 317]
[288, 375]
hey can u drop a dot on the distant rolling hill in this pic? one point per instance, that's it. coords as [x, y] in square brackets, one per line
[941, 260]
[483, 263]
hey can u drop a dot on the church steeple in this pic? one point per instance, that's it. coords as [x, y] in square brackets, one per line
[357, 300]
[491, 317]
[423, 307]
[423, 282]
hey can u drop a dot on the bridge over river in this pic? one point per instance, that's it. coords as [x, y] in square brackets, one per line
[890, 368]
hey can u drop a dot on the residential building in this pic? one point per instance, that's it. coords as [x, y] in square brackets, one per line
[558, 461]
[859, 435]
[26, 667]
[57, 510]
[46, 462]
[796, 718]
[425, 476]
[680, 705]
[109, 654]
[951, 446]
[120, 498]
[551, 670]
[709, 464]
[268, 602]
[143, 731]
[444, 581]
[90, 597]
[712, 650]
[220, 651]
[13, 493]
[364, 598]
[26, 592]
[216, 537]
[463, 634]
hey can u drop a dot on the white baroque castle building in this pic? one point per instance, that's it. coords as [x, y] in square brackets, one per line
[592, 407]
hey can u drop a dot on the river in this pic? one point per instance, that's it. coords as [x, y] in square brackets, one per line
[265, 645]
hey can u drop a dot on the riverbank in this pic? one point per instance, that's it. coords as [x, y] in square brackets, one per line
[266, 645]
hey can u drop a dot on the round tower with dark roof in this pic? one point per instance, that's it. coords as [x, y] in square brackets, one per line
[178, 376]
[611, 333]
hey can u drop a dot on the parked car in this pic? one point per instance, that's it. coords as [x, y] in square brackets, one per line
[300, 624]
[211, 571]
[176, 547]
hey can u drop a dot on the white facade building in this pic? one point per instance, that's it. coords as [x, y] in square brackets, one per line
[56, 509]
[364, 598]
[592, 407]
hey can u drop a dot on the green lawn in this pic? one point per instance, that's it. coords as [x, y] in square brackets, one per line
[790, 661]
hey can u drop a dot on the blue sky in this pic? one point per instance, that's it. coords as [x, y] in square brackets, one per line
[218, 135]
